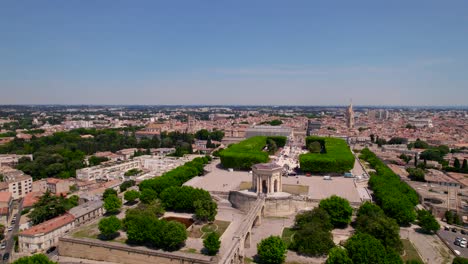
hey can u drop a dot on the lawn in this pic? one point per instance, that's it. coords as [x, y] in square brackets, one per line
[87, 231]
[245, 185]
[218, 226]
[287, 236]
[296, 189]
[410, 252]
[289, 188]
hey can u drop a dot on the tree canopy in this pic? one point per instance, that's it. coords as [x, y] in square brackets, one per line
[338, 255]
[396, 198]
[112, 204]
[313, 233]
[131, 195]
[272, 250]
[34, 259]
[109, 226]
[212, 243]
[50, 206]
[339, 209]
[427, 221]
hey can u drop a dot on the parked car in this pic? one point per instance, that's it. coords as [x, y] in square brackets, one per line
[463, 232]
[463, 244]
[454, 230]
[457, 241]
[3, 245]
[10, 228]
[6, 256]
[447, 228]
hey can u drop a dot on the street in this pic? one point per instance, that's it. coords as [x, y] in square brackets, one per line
[9, 235]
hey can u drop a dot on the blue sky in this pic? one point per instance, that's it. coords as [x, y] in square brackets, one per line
[234, 52]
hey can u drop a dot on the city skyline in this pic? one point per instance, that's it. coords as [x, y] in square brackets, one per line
[263, 53]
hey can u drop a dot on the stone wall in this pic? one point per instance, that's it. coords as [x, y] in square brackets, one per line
[275, 206]
[121, 253]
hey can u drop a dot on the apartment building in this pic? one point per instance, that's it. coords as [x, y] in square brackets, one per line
[19, 184]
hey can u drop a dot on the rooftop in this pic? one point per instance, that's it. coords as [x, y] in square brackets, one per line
[5, 197]
[85, 208]
[266, 166]
[49, 226]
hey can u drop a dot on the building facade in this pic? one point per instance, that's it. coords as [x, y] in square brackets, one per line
[43, 236]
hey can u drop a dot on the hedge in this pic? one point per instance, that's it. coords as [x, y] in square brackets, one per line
[175, 177]
[337, 157]
[244, 154]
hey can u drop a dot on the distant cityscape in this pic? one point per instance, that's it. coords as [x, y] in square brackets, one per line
[249, 173]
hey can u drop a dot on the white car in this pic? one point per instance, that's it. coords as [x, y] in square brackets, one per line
[10, 228]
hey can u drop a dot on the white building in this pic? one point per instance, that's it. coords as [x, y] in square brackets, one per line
[108, 171]
[45, 235]
[19, 184]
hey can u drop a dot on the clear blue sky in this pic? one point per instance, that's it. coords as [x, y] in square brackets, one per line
[234, 52]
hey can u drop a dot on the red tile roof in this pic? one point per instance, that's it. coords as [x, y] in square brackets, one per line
[31, 198]
[5, 197]
[49, 225]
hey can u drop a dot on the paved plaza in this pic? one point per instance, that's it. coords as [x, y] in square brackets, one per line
[221, 180]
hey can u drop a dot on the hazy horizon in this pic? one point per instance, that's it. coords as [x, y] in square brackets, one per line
[305, 53]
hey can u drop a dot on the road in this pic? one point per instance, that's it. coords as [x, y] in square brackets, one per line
[430, 247]
[9, 236]
[449, 237]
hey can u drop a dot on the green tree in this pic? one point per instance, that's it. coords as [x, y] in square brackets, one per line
[112, 204]
[317, 215]
[148, 195]
[427, 221]
[416, 174]
[173, 235]
[364, 248]
[315, 147]
[339, 210]
[405, 158]
[202, 134]
[460, 260]
[217, 135]
[109, 226]
[313, 240]
[34, 259]
[131, 195]
[212, 243]
[456, 163]
[272, 147]
[109, 192]
[205, 210]
[372, 138]
[272, 250]
[383, 228]
[465, 164]
[126, 184]
[338, 255]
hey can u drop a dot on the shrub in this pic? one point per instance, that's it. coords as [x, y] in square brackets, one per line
[272, 250]
[212, 244]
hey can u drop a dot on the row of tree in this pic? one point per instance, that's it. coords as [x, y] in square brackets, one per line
[62, 153]
[395, 197]
[204, 134]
